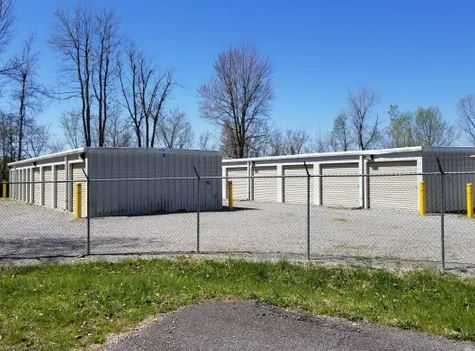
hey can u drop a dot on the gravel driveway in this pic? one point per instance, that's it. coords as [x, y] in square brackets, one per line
[254, 326]
[271, 228]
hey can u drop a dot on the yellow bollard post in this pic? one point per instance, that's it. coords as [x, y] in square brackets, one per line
[230, 195]
[422, 199]
[4, 189]
[77, 201]
[469, 200]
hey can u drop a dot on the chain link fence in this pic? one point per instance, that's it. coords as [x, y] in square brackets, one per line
[378, 220]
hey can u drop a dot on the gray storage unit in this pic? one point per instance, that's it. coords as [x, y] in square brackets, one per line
[265, 189]
[37, 187]
[366, 188]
[78, 177]
[343, 189]
[120, 180]
[295, 189]
[388, 191]
[60, 188]
[240, 185]
[48, 186]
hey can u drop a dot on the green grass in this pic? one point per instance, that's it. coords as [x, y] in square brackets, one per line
[59, 307]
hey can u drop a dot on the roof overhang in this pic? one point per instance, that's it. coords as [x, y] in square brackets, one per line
[48, 156]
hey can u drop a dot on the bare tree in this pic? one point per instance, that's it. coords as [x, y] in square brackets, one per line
[466, 110]
[365, 125]
[6, 24]
[276, 144]
[37, 140]
[340, 136]
[73, 39]
[176, 131]
[205, 141]
[129, 84]
[238, 98]
[27, 92]
[104, 68]
[118, 132]
[430, 129]
[70, 124]
[295, 141]
[8, 136]
[145, 93]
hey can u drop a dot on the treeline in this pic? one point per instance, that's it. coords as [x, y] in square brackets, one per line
[121, 98]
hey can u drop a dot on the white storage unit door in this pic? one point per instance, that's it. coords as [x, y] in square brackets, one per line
[341, 191]
[265, 189]
[48, 177]
[295, 188]
[37, 186]
[240, 185]
[79, 178]
[393, 191]
[60, 188]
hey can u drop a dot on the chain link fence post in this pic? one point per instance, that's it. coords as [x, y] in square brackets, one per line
[308, 210]
[442, 213]
[88, 217]
[198, 206]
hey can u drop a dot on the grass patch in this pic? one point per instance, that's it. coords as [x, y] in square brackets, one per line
[59, 307]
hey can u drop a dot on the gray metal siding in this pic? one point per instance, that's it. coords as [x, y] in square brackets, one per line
[393, 191]
[240, 185]
[295, 189]
[265, 189]
[455, 185]
[134, 197]
[341, 191]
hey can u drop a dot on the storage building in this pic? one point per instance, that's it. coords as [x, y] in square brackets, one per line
[120, 180]
[356, 179]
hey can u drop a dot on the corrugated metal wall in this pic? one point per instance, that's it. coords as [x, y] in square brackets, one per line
[157, 196]
[295, 189]
[265, 189]
[37, 186]
[78, 175]
[48, 187]
[60, 188]
[455, 196]
[341, 191]
[391, 191]
[240, 185]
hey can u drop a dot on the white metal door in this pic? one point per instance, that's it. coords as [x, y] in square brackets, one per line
[393, 191]
[240, 185]
[295, 188]
[265, 189]
[343, 189]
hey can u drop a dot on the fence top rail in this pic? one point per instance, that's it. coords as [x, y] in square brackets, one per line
[204, 177]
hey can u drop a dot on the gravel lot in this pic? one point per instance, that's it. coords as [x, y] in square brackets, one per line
[254, 326]
[270, 228]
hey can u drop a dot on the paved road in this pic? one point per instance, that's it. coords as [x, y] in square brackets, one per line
[255, 326]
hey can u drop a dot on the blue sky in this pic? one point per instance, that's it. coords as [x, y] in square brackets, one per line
[412, 53]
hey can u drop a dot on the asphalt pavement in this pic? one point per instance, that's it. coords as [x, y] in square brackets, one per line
[252, 325]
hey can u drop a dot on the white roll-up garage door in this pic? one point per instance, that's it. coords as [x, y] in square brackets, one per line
[265, 189]
[37, 186]
[240, 185]
[48, 187]
[60, 188]
[393, 191]
[341, 191]
[295, 188]
[79, 178]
